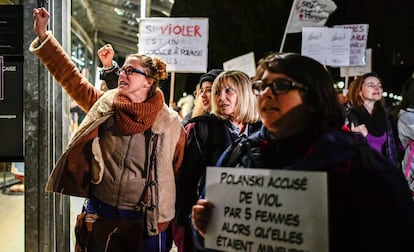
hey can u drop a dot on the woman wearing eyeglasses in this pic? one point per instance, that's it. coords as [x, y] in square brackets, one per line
[366, 114]
[369, 203]
[124, 155]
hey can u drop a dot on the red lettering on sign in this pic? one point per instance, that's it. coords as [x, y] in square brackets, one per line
[183, 30]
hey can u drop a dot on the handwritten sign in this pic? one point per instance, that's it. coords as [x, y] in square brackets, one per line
[267, 210]
[359, 70]
[314, 43]
[358, 43]
[180, 42]
[339, 47]
[245, 63]
[329, 46]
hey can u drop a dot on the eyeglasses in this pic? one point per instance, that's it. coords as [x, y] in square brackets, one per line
[278, 86]
[129, 70]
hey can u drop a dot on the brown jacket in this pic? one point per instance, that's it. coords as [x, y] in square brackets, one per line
[71, 174]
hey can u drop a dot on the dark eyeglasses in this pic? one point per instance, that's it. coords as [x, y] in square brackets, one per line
[278, 86]
[129, 70]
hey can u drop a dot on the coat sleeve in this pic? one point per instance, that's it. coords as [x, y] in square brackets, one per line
[59, 64]
[179, 152]
[406, 128]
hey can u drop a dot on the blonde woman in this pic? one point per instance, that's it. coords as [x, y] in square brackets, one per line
[233, 114]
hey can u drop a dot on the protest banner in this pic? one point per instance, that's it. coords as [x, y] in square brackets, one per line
[267, 210]
[314, 43]
[357, 70]
[358, 43]
[245, 63]
[180, 42]
[329, 46]
[307, 13]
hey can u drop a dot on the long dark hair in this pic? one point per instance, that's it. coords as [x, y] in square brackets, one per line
[325, 112]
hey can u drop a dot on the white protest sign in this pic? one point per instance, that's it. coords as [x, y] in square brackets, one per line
[328, 46]
[314, 43]
[245, 63]
[358, 43]
[267, 210]
[180, 42]
[339, 47]
[361, 70]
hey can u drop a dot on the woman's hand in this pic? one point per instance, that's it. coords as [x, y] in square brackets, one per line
[360, 129]
[41, 18]
[201, 214]
[106, 55]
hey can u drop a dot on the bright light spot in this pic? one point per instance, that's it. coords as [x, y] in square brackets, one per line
[341, 84]
[119, 12]
[384, 94]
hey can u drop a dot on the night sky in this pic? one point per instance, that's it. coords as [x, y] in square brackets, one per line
[239, 27]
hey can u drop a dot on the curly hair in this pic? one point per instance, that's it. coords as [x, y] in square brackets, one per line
[154, 68]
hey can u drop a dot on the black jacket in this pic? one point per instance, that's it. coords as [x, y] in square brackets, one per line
[370, 205]
[207, 138]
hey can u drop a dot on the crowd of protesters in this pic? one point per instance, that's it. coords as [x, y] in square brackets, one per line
[143, 170]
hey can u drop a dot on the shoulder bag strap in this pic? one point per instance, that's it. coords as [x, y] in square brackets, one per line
[149, 168]
[410, 158]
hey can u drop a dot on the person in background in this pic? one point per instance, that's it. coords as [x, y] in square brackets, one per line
[77, 115]
[206, 83]
[367, 115]
[202, 100]
[302, 130]
[232, 115]
[186, 103]
[405, 126]
[108, 74]
[123, 157]
[197, 109]
[17, 169]
[341, 94]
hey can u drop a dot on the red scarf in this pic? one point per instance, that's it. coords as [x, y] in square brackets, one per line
[133, 118]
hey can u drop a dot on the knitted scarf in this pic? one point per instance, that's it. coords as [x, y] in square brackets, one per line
[376, 123]
[133, 118]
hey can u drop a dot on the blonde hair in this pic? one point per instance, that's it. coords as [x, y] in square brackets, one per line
[246, 107]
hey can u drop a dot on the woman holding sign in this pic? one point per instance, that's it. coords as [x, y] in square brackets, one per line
[369, 203]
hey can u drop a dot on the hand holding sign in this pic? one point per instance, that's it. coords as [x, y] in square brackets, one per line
[266, 210]
[201, 214]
